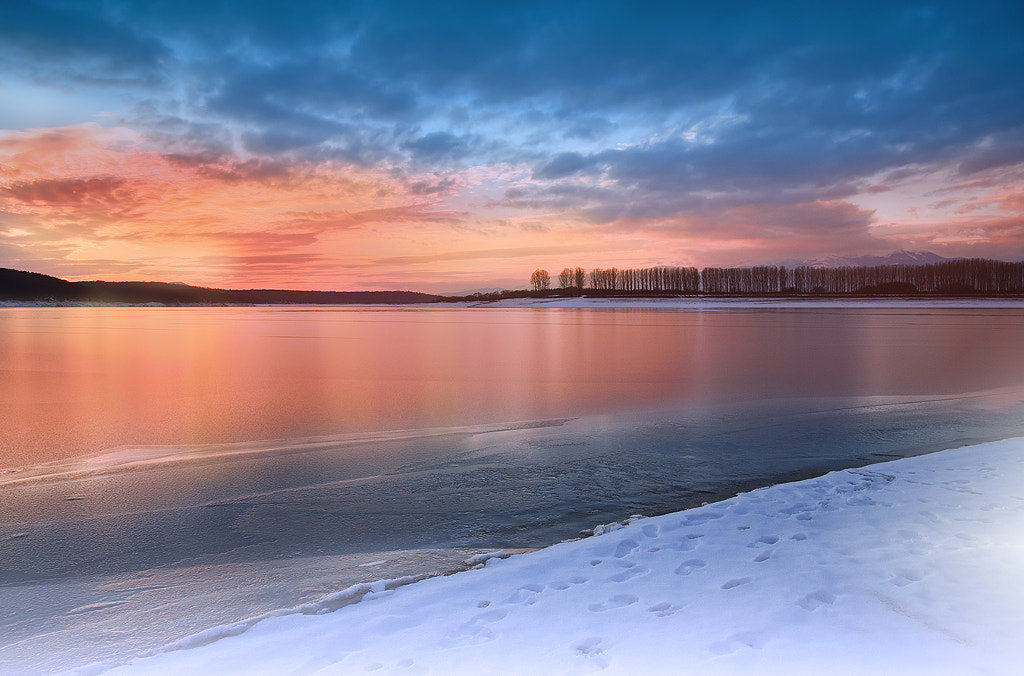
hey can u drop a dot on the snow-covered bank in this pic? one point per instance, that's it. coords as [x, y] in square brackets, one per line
[717, 303]
[908, 567]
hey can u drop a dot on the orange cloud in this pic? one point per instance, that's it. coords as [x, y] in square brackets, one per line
[65, 191]
[87, 202]
[100, 194]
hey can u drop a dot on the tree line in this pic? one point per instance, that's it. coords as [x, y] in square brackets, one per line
[952, 277]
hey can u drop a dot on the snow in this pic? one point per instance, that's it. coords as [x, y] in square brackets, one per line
[910, 567]
[742, 303]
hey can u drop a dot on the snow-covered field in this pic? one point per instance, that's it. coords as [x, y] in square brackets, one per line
[905, 567]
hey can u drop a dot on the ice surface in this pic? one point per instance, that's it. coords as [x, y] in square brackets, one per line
[146, 554]
[905, 567]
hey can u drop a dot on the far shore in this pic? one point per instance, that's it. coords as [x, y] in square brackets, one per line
[601, 302]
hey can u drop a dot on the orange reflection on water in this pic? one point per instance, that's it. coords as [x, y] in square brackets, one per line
[83, 380]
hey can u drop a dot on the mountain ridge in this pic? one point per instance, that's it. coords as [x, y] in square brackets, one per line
[22, 286]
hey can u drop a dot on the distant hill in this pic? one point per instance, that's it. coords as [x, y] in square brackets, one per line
[16, 285]
[471, 292]
[895, 258]
[29, 286]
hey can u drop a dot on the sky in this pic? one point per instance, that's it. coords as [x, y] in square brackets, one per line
[449, 146]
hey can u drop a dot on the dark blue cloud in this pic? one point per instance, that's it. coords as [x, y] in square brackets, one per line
[78, 43]
[565, 164]
[664, 102]
[438, 146]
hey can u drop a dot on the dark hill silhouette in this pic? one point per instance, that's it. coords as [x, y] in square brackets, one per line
[16, 285]
[32, 286]
[153, 292]
[285, 297]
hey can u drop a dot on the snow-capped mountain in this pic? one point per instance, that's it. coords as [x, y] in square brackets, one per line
[895, 258]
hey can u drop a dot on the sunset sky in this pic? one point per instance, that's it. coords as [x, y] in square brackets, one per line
[441, 146]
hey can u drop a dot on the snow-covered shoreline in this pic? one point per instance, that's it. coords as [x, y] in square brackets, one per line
[908, 566]
[739, 303]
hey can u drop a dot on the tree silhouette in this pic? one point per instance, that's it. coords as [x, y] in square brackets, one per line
[579, 278]
[540, 280]
[955, 277]
[566, 278]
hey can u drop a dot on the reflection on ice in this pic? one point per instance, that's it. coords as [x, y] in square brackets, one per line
[137, 458]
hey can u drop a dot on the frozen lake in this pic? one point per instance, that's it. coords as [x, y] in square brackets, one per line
[157, 461]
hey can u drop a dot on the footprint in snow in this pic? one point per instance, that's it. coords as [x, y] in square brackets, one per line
[763, 556]
[629, 573]
[476, 630]
[651, 531]
[698, 519]
[817, 599]
[525, 595]
[743, 639]
[664, 609]
[617, 601]
[562, 585]
[737, 582]
[488, 617]
[689, 543]
[626, 547]
[690, 565]
[764, 541]
[904, 576]
[590, 648]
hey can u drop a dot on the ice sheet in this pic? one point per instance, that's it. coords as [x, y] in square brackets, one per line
[910, 567]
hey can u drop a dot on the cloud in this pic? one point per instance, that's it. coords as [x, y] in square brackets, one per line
[868, 86]
[737, 123]
[44, 145]
[993, 152]
[344, 220]
[565, 164]
[434, 185]
[475, 255]
[61, 192]
[438, 147]
[80, 43]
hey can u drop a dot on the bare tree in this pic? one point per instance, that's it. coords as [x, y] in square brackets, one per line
[540, 280]
[973, 276]
[565, 278]
[579, 277]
